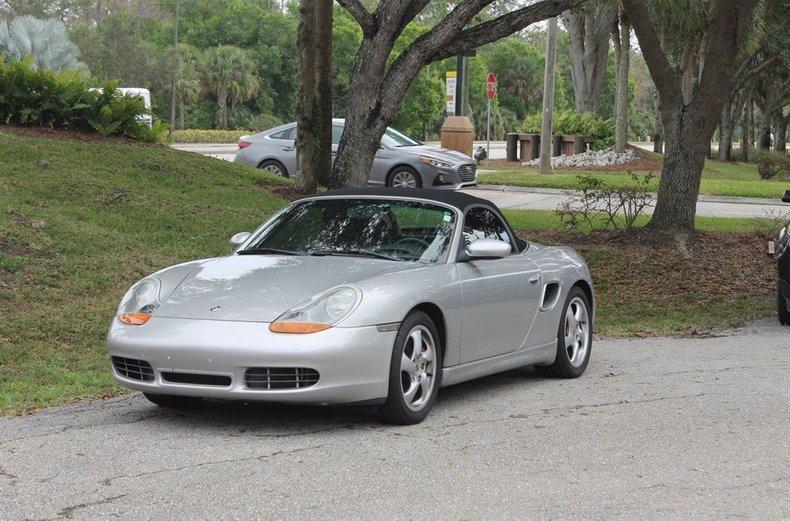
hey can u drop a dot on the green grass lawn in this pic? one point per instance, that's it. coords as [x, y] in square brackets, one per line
[80, 221]
[724, 179]
[549, 220]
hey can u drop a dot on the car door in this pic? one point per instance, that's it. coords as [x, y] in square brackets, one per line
[283, 149]
[499, 296]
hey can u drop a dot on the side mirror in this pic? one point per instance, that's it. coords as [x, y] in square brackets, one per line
[488, 249]
[239, 239]
[786, 196]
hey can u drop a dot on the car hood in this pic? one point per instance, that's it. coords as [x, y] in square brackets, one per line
[260, 288]
[437, 152]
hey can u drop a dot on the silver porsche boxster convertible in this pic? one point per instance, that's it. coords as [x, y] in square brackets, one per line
[371, 296]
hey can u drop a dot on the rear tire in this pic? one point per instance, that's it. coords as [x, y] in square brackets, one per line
[574, 338]
[404, 177]
[415, 371]
[781, 306]
[173, 402]
[275, 167]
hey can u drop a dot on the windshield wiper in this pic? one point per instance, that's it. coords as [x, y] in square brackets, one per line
[268, 251]
[357, 253]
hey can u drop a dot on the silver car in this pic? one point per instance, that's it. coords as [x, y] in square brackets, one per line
[400, 161]
[367, 296]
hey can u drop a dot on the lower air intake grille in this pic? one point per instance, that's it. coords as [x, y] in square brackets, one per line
[133, 369]
[280, 377]
[197, 379]
[467, 173]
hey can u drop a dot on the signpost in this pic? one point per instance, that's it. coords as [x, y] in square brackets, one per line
[451, 79]
[491, 94]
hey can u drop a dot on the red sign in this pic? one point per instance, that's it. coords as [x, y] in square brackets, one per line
[491, 86]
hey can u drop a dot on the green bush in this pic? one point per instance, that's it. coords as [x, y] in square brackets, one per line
[264, 122]
[65, 100]
[772, 165]
[194, 135]
[570, 122]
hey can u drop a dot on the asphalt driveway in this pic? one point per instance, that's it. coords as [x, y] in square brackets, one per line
[656, 428]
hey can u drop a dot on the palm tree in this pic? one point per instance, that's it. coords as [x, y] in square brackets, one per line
[45, 40]
[228, 74]
[188, 86]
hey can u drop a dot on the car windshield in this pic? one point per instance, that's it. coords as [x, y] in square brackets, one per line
[406, 231]
[393, 138]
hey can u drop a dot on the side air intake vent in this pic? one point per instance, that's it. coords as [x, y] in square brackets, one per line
[133, 369]
[551, 292]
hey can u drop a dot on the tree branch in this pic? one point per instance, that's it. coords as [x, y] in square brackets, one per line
[504, 25]
[664, 77]
[360, 14]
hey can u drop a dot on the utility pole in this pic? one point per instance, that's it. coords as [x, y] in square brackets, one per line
[176, 72]
[461, 86]
[548, 98]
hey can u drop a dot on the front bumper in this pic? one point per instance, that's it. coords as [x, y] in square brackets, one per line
[459, 176]
[353, 363]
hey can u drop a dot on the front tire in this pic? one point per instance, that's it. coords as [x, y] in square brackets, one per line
[415, 371]
[574, 338]
[274, 167]
[173, 402]
[404, 177]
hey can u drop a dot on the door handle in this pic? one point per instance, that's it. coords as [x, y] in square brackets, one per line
[288, 149]
[534, 279]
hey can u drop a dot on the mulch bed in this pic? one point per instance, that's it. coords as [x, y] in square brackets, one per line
[643, 163]
[628, 267]
[66, 135]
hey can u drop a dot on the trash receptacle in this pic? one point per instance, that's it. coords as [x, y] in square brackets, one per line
[458, 134]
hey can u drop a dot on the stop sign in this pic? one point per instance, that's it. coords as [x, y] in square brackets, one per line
[491, 86]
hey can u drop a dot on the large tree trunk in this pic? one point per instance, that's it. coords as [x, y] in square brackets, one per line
[682, 170]
[730, 115]
[306, 109]
[780, 143]
[364, 122]
[689, 123]
[658, 131]
[623, 47]
[588, 32]
[378, 88]
[323, 63]
[747, 128]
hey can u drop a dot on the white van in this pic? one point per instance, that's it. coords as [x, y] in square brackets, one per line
[145, 94]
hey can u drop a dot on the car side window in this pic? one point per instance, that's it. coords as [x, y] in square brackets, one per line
[482, 223]
[287, 134]
[337, 132]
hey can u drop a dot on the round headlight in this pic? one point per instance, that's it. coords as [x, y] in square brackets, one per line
[339, 303]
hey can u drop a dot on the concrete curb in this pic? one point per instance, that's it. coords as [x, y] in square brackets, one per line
[701, 198]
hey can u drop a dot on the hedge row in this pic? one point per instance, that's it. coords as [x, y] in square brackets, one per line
[208, 136]
[570, 122]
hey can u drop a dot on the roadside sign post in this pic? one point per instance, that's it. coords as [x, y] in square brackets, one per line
[490, 94]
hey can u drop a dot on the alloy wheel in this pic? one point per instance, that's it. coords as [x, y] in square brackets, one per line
[404, 179]
[417, 368]
[577, 332]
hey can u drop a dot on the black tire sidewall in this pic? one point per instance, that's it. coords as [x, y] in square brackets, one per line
[279, 165]
[562, 354]
[395, 409]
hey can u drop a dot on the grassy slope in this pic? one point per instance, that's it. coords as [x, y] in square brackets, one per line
[727, 179]
[79, 223]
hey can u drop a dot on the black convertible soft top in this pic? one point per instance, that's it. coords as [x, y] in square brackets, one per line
[459, 200]
[453, 198]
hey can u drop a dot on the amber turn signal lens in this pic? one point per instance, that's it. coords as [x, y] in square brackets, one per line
[135, 319]
[297, 327]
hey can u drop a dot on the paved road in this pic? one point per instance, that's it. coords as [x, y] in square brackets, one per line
[657, 428]
[549, 199]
